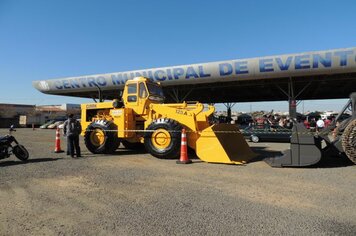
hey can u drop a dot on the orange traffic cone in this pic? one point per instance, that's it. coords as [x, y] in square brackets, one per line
[58, 142]
[183, 150]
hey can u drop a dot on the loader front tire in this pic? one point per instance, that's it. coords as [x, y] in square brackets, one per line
[101, 137]
[164, 140]
[349, 141]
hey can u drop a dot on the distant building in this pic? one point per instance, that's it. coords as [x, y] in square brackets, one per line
[52, 111]
[10, 113]
[12, 110]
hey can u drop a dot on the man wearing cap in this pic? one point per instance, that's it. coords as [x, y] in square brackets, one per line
[72, 129]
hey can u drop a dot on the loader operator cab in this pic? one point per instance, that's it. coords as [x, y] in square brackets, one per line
[140, 92]
[143, 88]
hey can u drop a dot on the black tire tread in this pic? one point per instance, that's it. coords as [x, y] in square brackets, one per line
[111, 143]
[349, 141]
[171, 125]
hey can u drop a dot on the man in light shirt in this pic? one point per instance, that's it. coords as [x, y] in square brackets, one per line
[320, 124]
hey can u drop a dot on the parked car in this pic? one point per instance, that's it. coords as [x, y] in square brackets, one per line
[55, 125]
[45, 125]
[274, 133]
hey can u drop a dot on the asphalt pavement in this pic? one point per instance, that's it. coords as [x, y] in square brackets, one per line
[133, 193]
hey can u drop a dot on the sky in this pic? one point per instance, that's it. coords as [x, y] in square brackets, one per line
[41, 39]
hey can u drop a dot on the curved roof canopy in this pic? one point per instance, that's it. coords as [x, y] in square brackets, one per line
[310, 75]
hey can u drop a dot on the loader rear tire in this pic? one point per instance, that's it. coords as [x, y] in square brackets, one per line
[349, 141]
[100, 138]
[164, 141]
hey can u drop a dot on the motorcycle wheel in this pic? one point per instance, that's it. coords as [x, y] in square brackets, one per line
[20, 152]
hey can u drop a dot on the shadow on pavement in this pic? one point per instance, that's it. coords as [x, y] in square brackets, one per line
[130, 151]
[263, 153]
[37, 160]
[333, 162]
[325, 162]
[122, 151]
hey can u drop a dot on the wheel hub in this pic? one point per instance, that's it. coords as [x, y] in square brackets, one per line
[97, 137]
[161, 138]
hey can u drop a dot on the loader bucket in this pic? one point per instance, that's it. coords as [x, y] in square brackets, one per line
[305, 150]
[223, 143]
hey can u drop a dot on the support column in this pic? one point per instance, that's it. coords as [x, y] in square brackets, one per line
[292, 108]
[229, 106]
[292, 102]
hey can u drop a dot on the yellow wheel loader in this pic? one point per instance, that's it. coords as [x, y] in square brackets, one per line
[141, 117]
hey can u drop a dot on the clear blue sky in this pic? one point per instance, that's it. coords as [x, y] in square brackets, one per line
[51, 39]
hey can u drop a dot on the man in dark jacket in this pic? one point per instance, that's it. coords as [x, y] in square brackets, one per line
[72, 129]
[312, 125]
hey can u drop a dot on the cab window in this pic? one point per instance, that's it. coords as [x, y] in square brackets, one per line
[143, 90]
[132, 98]
[132, 88]
[155, 90]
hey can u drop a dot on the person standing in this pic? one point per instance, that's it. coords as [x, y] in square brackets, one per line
[327, 122]
[306, 124]
[72, 129]
[320, 124]
[312, 125]
[281, 122]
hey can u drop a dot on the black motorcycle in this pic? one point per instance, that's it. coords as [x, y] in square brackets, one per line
[9, 145]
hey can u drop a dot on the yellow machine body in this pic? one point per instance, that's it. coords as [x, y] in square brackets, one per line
[142, 105]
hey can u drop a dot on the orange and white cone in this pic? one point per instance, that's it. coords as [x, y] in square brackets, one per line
[58, 142]
[183, 150]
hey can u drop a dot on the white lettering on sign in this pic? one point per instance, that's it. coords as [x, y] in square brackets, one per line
[116, 112]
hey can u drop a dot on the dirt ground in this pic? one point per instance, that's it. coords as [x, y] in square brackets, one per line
[133, 193]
